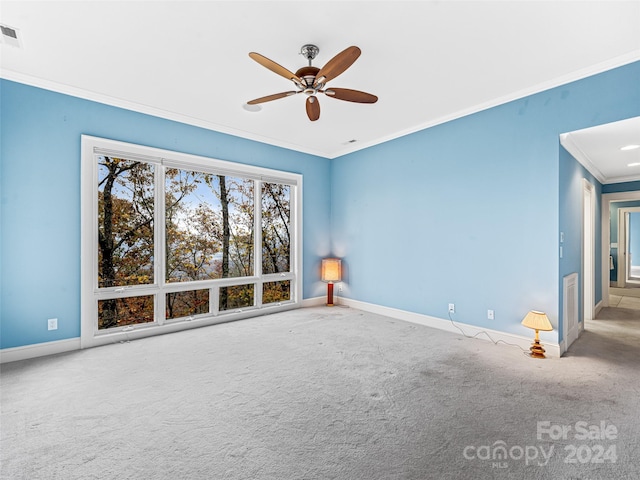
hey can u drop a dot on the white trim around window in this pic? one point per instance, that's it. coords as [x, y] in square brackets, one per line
[91, 293]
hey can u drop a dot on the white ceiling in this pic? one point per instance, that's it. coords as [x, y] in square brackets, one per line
[427, 61]
[600, 150]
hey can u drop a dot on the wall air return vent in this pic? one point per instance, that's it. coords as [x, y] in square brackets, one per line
[10, 36]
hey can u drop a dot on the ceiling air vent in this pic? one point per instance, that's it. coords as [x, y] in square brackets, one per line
[10, 36]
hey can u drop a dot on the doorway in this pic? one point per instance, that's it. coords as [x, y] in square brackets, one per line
[618, 321]
[628, 258]
[620, 285]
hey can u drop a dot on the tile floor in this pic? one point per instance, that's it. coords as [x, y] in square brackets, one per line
[623, 301]
[624, 297]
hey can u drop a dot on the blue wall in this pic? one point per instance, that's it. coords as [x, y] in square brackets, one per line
[621, 187]
[467, 212]
[571, 186]
[40, 192]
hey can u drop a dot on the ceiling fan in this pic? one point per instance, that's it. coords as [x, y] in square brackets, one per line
[312, 80]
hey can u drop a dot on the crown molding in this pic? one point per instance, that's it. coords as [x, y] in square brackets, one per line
[580, 74]
[566, 140]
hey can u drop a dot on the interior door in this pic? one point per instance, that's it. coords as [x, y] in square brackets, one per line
[627, 247]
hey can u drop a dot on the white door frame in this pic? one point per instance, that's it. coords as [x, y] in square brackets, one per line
[607, 199]
[588, 250]
[623, 247]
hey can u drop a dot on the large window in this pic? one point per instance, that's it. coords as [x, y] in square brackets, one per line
[171, 239]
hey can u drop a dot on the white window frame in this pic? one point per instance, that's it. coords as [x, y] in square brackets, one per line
[90, 336]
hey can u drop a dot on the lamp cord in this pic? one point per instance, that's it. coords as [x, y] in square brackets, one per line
[495, 342]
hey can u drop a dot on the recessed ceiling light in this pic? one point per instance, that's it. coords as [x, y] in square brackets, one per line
[251, 108]
[629, 147]
[636, 164]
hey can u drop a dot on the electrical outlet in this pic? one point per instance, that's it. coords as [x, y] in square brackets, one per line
[452, 308]
[490, 314]
[52, 324]
[340, 287]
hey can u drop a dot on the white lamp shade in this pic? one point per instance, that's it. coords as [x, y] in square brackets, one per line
[331, 270]
[537, 321]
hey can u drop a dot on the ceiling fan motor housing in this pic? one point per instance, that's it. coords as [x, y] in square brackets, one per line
[308, 75]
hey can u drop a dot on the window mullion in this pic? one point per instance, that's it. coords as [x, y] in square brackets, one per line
[160, 244]
[214, 300]
[295, 251]
[257, 248]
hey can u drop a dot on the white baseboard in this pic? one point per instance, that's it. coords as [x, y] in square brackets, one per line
[51, 348]
[599, 306]
[563, 343]
[60, 346]
[314, 302]
[38, 350]
[552, 349]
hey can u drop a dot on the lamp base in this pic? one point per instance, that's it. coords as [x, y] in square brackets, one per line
[330, 295]
[536, 350]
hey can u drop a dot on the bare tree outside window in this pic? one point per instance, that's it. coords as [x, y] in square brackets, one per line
[125, 236]
[276, 235]
[209, 234]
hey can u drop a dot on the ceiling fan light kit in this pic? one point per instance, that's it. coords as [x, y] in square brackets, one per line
[312, 80]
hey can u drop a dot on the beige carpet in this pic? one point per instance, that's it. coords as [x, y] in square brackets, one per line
[325, 393]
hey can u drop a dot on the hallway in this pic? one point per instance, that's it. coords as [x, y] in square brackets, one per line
[626, 298]
[613, 337]
[615, 333]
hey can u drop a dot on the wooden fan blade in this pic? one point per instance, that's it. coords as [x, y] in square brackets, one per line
[274, 67]
[313, 108]
[350, 95]
[268, 98]
[337, 65]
